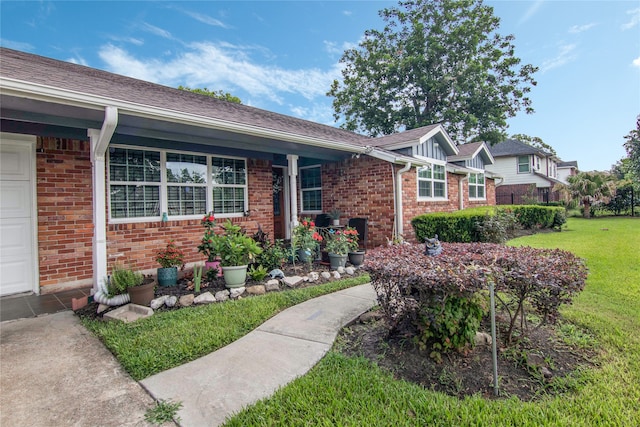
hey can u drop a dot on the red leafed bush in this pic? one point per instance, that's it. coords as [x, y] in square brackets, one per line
[410, 283]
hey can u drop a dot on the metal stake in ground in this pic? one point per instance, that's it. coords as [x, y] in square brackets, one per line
[494, 345]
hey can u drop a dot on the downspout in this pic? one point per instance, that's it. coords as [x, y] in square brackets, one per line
[99, 142]
[461, 191]
[293, 188]
[398, 196]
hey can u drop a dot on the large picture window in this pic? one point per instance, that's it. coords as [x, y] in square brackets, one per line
[432, 182]
[476, 186]
[146, 183]
[311, 189]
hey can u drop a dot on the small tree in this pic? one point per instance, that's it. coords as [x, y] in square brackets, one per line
[225, 96]
[589, 188]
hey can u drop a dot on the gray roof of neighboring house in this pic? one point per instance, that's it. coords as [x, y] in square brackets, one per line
[513, 147]
[65, 75]
[571, 164]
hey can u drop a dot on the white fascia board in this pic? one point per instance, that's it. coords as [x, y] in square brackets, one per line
[397, 159]
[40, 92]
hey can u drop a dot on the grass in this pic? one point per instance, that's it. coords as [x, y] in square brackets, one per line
[171, 338]
[350, 391]
[164, 411]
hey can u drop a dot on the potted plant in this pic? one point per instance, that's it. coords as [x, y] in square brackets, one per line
[335, 216]
[306, 240]
[339, 244]
[169, 258]
[236, 251]
[125, 280]
[207, 245]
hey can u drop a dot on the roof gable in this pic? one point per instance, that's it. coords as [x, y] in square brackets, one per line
[416, 136]
[471, 150]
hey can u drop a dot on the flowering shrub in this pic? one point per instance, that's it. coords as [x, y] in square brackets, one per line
[306, 236]
[207, 246]
[341, 242]
[420, 294]
[171, 256]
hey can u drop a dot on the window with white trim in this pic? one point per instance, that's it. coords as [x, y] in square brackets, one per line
[523, 164]
[311, 189]
[476, 186]
[135, 183]
[432, 182]
[146, 183]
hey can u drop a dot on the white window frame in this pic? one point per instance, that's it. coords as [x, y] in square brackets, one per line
[205, 185]
[476, 185]
[518, 164]
[164, 200]
[302, 190]
[432, 180]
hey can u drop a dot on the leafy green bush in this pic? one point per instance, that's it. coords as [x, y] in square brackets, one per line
[497, 228]
[122, 279]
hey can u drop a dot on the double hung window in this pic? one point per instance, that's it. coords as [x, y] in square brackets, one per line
[476, 186]
[311, 189]
[432, 182]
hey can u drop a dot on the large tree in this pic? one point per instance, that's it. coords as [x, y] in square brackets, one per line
[434, 62]
[632, 145]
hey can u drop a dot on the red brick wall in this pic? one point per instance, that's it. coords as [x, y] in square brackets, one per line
[65, 215]
[65, 218]
[361, 188]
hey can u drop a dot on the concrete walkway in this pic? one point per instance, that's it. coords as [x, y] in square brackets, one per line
[53, 372]
[285, 347]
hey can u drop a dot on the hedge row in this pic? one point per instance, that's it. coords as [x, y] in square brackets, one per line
[463, 226]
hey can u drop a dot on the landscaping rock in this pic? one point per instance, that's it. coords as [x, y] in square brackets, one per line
[535, 361]
[186, 300]
[340, 270]
[483, 338]
[171, 301]
[101, 308]
[314, 276]
[292, 281]
[129, 313]
[236, 292]
[325, 275]
[272, 285]
[205, 298]
[546, 373]
[350, 271]
[222, 295]
[256, 290]
[336, 275]
[158, 302]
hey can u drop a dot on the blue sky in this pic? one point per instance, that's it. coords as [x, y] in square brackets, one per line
[283, 55]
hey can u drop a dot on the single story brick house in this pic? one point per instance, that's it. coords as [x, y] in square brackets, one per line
[98, 168]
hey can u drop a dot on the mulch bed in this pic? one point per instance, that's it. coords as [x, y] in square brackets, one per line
[471, 373]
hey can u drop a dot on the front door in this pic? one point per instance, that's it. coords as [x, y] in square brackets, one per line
[279, 208]
[17, 255]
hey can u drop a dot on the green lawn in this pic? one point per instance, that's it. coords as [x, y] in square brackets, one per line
[171, 338]
[352, 391]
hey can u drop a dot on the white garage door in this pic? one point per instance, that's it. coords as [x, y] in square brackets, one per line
[17, 253]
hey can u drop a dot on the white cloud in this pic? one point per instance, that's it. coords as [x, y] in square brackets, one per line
[636, 62]
[222, 66]
[317, 112]
[634, 20]
[23, 46]
[79, 61]
[564, 56]
[132, 40]
[156, 30]
[205, 19]
[347, 12]
[576, 29]
[334, 49]
[533, 9]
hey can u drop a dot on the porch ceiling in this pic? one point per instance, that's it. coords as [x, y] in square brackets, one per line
[23, 115]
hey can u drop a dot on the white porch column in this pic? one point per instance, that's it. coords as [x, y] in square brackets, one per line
[99, 140]
[293, 187]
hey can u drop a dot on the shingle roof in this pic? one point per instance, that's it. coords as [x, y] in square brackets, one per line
[466, 150]
[572, 163]
[513, 147]
[400, 137]
[65, 75]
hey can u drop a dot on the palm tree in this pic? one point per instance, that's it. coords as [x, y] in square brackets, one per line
[589, 188]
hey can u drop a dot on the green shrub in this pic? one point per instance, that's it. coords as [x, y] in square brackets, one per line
[122, 279]
[497, 228]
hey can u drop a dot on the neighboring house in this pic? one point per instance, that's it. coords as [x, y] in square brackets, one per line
[528, 173]
[98, 168]
[567, 169]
